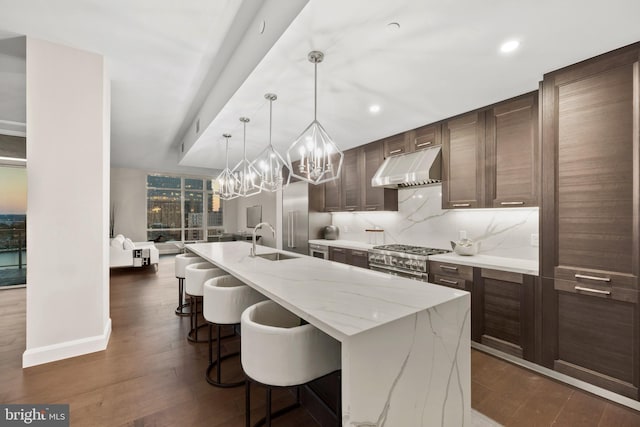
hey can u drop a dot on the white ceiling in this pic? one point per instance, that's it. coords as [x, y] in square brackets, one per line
[164, 57]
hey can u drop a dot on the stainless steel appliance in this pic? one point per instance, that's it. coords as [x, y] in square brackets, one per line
[331, 232]
[295, 217]
[420, 168]
[319, 251]
[402, 260]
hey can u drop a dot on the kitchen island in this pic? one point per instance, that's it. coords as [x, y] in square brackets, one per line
[405, 344]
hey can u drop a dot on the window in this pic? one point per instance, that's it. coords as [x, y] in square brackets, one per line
[176, 208]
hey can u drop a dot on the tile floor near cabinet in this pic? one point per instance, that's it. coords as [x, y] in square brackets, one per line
[151, 376]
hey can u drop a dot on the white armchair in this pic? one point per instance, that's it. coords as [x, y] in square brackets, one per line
[125, 253]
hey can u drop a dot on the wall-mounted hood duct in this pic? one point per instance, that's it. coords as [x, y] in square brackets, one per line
[410, 170]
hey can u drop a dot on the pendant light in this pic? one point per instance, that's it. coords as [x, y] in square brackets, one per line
[270, 163]
[247, 178]
[226, 180]
[313, 156]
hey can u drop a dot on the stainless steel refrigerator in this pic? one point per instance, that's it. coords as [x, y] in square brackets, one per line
[299, 224]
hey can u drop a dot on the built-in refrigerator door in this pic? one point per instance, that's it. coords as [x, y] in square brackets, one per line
[295, 218]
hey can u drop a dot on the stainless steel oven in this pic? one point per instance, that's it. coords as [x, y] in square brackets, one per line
[402, 260]
[319, 251]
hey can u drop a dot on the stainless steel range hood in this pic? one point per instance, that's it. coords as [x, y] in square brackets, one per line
[410, 170]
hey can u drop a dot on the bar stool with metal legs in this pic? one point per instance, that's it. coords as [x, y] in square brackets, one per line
[224, 300]
[181, 263]
[278, 350]
[195, 276]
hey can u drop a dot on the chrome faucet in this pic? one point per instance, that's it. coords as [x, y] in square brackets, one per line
[255, 229]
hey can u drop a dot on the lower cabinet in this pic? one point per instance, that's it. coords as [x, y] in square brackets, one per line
[451, 275]
[503, 311]
[502, 305]
[353, 257]
[592, 333]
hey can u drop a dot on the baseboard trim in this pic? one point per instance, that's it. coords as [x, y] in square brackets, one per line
[67, 349]
[598, 391]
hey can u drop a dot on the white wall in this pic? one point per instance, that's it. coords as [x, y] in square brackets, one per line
[421, 221]
[129, 199]
[68, 108]
[235, 215]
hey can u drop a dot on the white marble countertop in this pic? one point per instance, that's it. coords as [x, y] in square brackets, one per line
[339, 299]
[349, 244]
[514, 265]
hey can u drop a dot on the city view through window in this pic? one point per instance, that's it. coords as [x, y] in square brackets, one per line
[177, 208]
[13, 223]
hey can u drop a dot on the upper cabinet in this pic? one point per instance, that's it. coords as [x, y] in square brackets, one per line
[375, 198]
[463, 161]
[512, 153]
[490, 156]
[425, 137]
[353, 191]
[351, 181]
[397, 144]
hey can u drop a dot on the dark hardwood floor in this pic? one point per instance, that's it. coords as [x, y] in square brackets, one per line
[151, 376]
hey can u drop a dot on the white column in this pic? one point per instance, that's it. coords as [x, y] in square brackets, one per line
[68, 119]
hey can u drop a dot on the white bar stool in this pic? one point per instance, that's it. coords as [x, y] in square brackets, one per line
[224, 300]
[181, 263]
[278, 350]
[195, 276]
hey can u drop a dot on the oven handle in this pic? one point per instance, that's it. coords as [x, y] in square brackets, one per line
[388, 268]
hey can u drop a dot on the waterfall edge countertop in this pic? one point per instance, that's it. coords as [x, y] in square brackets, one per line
[405, 344]
[340, 299]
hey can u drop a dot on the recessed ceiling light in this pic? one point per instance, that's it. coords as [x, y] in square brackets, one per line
[393, 26]
[509, 46]
[374, 109]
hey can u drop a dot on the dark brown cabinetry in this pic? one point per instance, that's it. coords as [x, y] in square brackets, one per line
[590, 221]
[397, 144]
[451, 275]
[332, 196]
[353, 191]
[512, 153]
[338, 254]
[490, 157]
[351, 181]
[375, 198]
[503, 311]
[463, 162]
[425, 137]
[355, 257]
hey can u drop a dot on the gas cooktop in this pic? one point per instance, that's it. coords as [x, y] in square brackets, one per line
[413, 250]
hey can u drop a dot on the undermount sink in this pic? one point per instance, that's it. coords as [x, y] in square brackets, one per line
[276, 256]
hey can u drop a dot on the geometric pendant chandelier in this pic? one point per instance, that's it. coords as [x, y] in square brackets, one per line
[226, 180]
[313, 156]
[247, 180]
[270, 164]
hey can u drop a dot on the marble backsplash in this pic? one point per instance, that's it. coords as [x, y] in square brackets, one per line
[420, 220]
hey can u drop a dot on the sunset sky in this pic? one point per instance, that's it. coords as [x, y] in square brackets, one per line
[13, 190]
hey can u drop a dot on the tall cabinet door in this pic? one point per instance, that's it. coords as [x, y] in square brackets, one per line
[351, 190]
[463, 161]
[512, 153]
[590, 222]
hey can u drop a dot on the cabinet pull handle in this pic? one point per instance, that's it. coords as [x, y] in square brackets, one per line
[398, 150]
[423, 144]
[338, 250]
[448, 282]
[511, 203]
[448, 267]
[594, 291]
[350, 209]
[461, 205]
[597, 279]
[372, 209]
